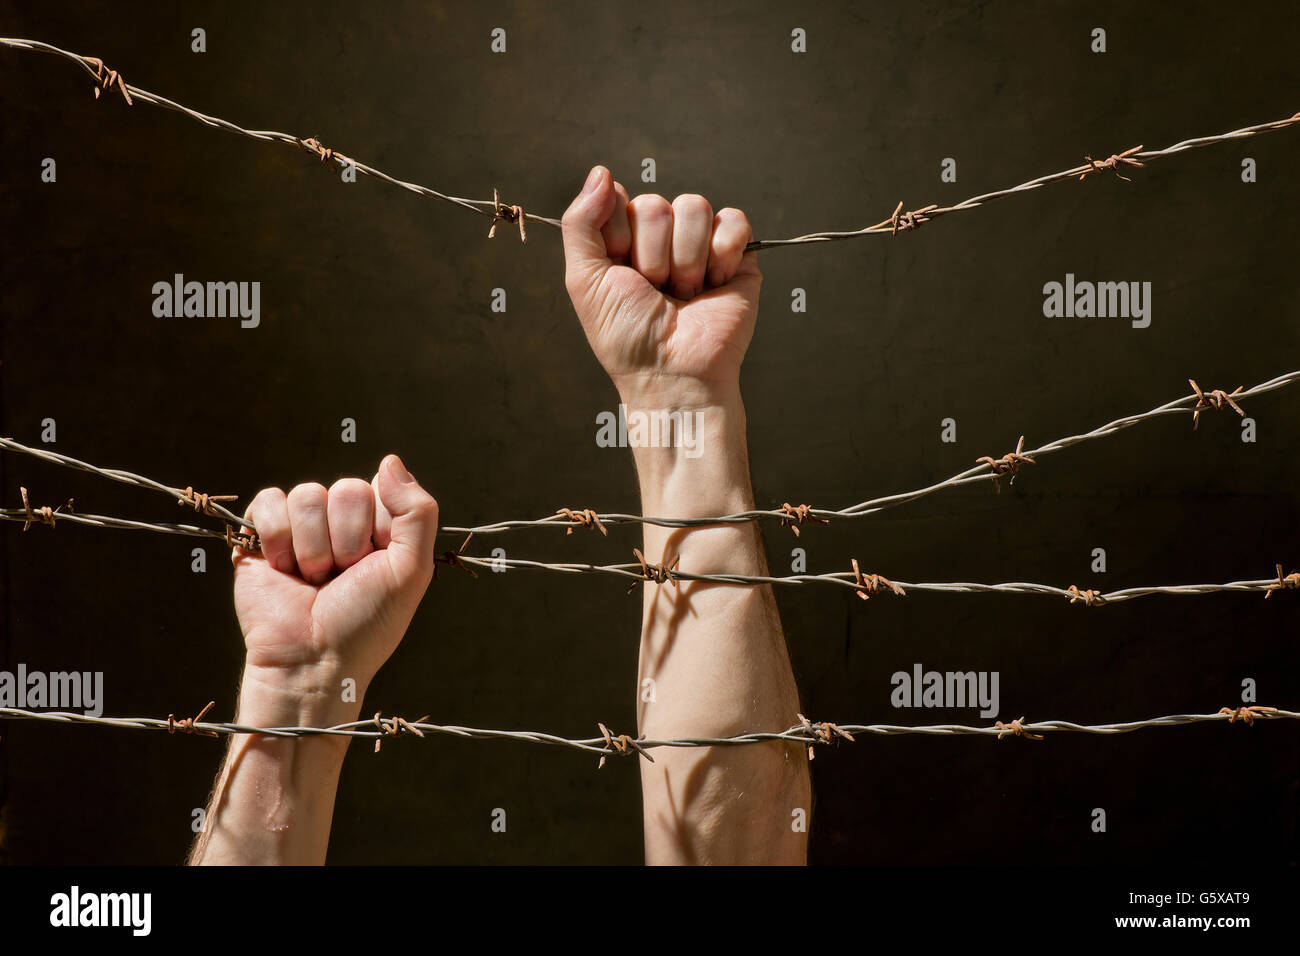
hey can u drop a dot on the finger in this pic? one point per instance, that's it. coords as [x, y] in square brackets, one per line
[351, 514]
[651, 219]
[383, 531]
[692, 231]
[414, 531]
[309, 523]
[585, 256]
[731, 233]
[617, 232]
[269, 512]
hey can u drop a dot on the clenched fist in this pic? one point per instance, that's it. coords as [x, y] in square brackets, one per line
[340, 575]
[666, 293]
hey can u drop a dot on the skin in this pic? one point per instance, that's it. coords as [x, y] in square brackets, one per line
[668, 299]
[342, 570]
[340, 575]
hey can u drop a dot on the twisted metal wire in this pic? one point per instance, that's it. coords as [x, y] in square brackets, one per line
[980, 472]
[1192, 404]
[493, 208]
[205, 503]
[810, 733]
[866, 585]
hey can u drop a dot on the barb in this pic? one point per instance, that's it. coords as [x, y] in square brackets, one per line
[395, 727]
[621, 744]
[47, 515]
[986, 469]
[1216, 400]
[207, 504]
[498, 212]
[187, 725]
[806, 732]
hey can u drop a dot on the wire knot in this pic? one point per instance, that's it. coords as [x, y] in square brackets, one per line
[1015, 727]
[908, 221]
[108, 79]
[1216, 398]
[501, 212]
[873, 583]
[620, 744]
[247, 540]
[586, 518]
[395, 727]
[314, 146]
[1115, 161]
[655, 573]
[43, 515]
[201, 502]
[1291, 581]
[1008, 464]
[1246, 714]
[823, 732]
[185, 725]
[1090, 598]
[453, 559]
[795, 515]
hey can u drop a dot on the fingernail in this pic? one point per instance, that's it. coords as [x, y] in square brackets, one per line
[398, 470]
[284, 563]
[592, 179]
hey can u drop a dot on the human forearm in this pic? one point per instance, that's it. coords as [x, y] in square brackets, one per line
[274, 797]
[718, 660]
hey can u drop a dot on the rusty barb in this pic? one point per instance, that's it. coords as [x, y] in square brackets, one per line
[823, 732]
[314, 146]
[453, 559]
[109, 79]
[1008, 464]
[1115, 161]
[1246, 714]
[655, 573]
[907, 221]
[620, 744]
[1015, 727]
[47, 515]
[395, 727]
[586, 518]
[185, 725]
[1090, 597]
[873, 583]
[795, 515]
[506, 213]
[1216, 398]
[1291, 581]
[203, 503]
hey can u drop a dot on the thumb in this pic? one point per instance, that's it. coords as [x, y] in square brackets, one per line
[585, 256]
[414, 523]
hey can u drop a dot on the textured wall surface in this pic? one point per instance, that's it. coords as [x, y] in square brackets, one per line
[375, 306]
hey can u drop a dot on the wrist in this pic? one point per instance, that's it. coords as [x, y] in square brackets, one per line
[307, 696]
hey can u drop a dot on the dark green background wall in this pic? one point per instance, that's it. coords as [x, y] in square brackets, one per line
[376, 307]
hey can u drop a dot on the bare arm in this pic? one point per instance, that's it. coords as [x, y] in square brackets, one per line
[716, 653]
[340, 575]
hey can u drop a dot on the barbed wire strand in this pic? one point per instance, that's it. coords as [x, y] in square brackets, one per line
[867, 585]
[863, 584]
[986, 469]
[807, 732]
[514, 213]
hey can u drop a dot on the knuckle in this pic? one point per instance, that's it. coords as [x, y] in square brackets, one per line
[308, 494]
[651, 206]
